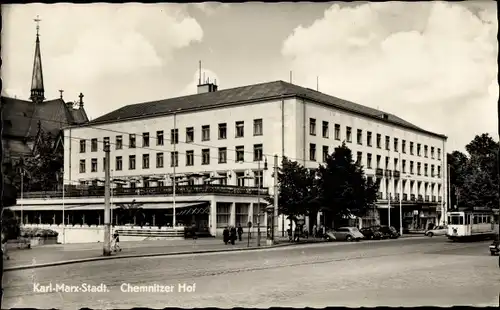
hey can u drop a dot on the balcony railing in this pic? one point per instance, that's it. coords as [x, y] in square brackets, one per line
[420, 198]
[397, 174]
[388, 173]
[439, 199]
[150, 191]
[379, 172]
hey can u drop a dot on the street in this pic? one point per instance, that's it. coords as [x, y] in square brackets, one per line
[405, 272]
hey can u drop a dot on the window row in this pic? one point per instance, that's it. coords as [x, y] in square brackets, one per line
[174, 136]
[174, 159]
[369, 138]
[435, 170]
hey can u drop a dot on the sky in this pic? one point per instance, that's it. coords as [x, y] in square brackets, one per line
[431, 63]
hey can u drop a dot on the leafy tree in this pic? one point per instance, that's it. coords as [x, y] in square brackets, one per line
[458, 162]
[296, 190]
[128, 211]
[343, 187]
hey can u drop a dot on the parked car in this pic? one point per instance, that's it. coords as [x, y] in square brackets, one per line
[371, 233]
[437, 231]
[389, 232]
[495, 248]
[347, 234]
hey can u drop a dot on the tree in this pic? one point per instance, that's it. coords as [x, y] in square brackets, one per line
[344, 190]
[458, 162]
[296, 190]
[128, 211]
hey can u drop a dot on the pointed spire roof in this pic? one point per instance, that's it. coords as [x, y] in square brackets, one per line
[37, 89]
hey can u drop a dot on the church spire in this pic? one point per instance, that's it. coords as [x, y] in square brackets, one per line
[37, 89]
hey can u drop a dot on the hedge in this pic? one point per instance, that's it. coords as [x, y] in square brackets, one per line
[38, 232]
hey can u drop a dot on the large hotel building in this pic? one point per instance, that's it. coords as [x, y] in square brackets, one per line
[216, 144]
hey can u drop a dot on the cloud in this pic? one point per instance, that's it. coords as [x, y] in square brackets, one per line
[434, 64]
[191, 88]
[210, 8]
[95, 47]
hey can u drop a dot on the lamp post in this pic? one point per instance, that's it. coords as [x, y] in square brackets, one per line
[258, 196]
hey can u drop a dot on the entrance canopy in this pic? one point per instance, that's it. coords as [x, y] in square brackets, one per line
[148, 206]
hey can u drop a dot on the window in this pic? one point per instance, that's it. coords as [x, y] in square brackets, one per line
[240, 129]
[411, 148]
[348, 134]
[174, 136]
[241, 213]
[337, 132]
[118, 163]
[93, 166]
[257, 152]
[396, 167]
[240, 153]
[419, 150]
[189, 134]
[205, 157]
[359, 158]
[439, 171]
[419, 166]
[131, 141]
[119, 142]
[82, 165]
[403, 146]
[131, 162]
[223, 213]
[425, 151]
[396, 145]
[426, 166]
[325, 130]
[312, 151]
[386, 162]
[258, 178]
[205, 133]
[379, 159]
[145, 139]
[159, 137]
[312, 126]
[387, 142]
[82, 146]
[411, 167]
[159, 160]
[379, 140]
[257, 127]
[432, 171]
[189, 158]
[222, 131]
[369, 161]
[325, 153]
[145, 161]
[404, 166]
[439, 154]
[222, 155]
[174, 159]
[369, 138]
[360, 136]
[93, 145]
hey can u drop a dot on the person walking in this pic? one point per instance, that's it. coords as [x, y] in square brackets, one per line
[233, 235]
[225, 235]
[240, 232]
[116, 240]
[315, 231]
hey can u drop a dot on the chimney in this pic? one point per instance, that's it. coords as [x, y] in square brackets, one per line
[81, 101]
[207, 87]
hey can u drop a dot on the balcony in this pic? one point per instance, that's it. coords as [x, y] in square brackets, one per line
[98, 191]
[397, 174]
[420, 198]
[427, 198]
[405, 197]
[379, 172]
[412, 197]
[388, 173]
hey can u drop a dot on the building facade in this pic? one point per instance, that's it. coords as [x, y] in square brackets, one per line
[216, 145]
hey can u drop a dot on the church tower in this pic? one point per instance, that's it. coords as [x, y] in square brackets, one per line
[37, 89]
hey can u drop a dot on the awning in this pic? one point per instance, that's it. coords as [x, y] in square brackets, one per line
[169, 205]
[195, 210]
[60, 207]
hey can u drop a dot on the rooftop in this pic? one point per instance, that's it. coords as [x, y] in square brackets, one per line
[246, 94]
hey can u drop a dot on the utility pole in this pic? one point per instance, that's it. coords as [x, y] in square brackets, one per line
[400, 197]
[276, 195]
[107, 203]
[175, 158]
[258, 206]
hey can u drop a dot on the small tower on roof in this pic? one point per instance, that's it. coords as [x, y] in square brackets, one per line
[37, 89]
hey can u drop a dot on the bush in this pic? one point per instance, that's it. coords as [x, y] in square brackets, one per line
[38, 232]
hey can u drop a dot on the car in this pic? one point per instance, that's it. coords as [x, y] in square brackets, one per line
[495, 248]
[347, 234]
[437, 231]
[371, 233]
[389, 232]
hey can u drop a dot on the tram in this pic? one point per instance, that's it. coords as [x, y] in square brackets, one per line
[471, 225]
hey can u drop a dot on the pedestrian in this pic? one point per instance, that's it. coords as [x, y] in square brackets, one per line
[116, 240]
[233, 235]
[290, 238]
[225, 235]
[315, 231]
[193, 231]
[240, 232]
[297, 234]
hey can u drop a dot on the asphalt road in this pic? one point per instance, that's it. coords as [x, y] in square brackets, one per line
[406, 272]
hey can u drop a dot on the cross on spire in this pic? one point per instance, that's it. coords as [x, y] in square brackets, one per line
[37, 21]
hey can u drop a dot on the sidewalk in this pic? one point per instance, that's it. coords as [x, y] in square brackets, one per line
[67, 253]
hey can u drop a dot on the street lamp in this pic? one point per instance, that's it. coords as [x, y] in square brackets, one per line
[258, 196]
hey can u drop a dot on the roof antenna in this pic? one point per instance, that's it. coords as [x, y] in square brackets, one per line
[204, 77]
[290, 76]
[317, 83]
[199, 75]
[61, 93]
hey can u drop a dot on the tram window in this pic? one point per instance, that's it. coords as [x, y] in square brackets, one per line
[488, 219]
[475, 219]
[467, 219]
[457, 220]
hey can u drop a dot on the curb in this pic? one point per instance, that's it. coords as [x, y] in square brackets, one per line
[100, 258]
